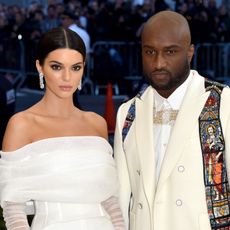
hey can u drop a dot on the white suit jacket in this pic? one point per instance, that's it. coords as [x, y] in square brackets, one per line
[178, 201]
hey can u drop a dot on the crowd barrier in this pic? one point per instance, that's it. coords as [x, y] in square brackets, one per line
[115, 62]
[212, 60]
[12, 61]
[118, 62]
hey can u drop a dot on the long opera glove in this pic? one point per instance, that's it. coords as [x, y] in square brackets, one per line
[112, 207]
[15, 216]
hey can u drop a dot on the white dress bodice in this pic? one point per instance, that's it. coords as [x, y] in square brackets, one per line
[67, 178]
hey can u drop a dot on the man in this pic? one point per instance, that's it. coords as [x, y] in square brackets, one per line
[69, 20]
[168, 175]
[7, 104]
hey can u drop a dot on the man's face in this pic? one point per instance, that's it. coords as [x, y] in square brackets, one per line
[166, 59]
[65, 21]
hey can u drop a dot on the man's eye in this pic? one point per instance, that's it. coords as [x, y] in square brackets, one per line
[170, 52]
[150, 52]
[55, 67]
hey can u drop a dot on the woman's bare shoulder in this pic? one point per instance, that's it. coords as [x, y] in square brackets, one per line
[19, 120]
[98, 122]
[96, 118]
[17, 131]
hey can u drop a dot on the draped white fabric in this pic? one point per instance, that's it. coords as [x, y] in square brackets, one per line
[76, 170]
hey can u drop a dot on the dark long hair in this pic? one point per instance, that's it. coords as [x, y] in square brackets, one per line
[58, 38]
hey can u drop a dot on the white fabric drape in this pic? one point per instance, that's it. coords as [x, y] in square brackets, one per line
[59, 169]
[62, 170]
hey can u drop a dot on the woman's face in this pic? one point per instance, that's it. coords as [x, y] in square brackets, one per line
[62, 70]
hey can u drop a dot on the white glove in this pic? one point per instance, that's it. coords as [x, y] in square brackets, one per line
[112, 207]
[15, 216]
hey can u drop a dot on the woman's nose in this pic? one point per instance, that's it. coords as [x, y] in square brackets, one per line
[66, 76]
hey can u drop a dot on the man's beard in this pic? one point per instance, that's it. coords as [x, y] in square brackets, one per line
[173, 82]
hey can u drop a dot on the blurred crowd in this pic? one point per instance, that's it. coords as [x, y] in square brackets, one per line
[114, 20]
[98, 20]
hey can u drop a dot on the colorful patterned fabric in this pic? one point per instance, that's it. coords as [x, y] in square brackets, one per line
[213, 149]
[131, 113]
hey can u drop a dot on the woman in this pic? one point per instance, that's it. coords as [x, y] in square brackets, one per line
[57, 155]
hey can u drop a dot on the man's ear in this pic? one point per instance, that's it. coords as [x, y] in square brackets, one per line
[190, 52]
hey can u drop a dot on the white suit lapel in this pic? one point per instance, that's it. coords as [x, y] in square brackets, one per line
[186, 120]
[144, 137]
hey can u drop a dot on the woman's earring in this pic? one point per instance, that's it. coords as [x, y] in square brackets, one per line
[41, 80]
[79, 86]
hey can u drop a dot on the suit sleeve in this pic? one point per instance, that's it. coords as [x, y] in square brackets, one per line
[122, 168]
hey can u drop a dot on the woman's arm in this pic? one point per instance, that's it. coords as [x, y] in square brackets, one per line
[15, 217]
[112, 207]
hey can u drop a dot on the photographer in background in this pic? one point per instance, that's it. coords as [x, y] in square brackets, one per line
[7, 104]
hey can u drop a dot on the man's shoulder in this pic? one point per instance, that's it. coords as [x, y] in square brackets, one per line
[139, 96]
[209, 84]
[82, 31]
[127, 103]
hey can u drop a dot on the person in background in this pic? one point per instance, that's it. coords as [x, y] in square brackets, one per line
[7, 104]
[57, 156]
[172, 177]
[69, 20]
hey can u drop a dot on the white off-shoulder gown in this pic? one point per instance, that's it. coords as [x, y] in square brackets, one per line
[67, 178]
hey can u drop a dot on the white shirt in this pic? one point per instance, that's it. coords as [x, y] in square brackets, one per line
[162, 131]
[83, 34]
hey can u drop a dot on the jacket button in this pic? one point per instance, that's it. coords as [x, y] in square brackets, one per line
[139, 172]
[181, 168]
[140, 206]
[178, 202]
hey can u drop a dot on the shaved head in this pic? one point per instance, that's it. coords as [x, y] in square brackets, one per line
[170, 21]
[166, 51]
